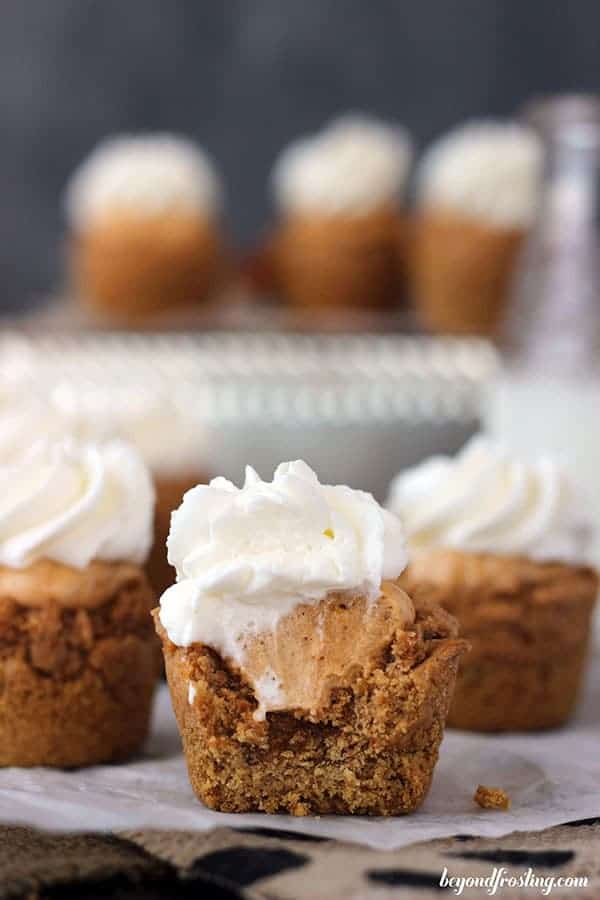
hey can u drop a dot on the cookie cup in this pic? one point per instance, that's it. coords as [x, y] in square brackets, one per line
[78, 663]
[528, 625]
[360, 736]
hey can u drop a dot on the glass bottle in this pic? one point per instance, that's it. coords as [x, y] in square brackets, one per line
[547, 397]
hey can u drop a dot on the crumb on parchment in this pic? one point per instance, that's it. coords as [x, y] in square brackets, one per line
[491, 797]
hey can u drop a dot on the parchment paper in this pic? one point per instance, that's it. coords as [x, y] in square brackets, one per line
[551, 778]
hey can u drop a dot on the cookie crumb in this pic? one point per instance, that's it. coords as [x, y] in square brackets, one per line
[491, 797]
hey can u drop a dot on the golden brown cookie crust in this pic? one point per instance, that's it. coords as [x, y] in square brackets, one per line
[340, 261]
[528, 625]
[461, 272]
[76, 679]
[130, 265]
[371, 750]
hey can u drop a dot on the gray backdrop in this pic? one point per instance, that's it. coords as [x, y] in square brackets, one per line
[244, 76]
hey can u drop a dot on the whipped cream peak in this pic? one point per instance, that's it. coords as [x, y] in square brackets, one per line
[291, 537]
[247, 556]
[484, 500]
[486, 170]
[74, 503]
[147, 175]
[353, 166]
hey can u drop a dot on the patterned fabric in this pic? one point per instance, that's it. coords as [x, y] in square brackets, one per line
[276, 865]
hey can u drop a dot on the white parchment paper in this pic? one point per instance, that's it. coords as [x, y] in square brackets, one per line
[551, 778]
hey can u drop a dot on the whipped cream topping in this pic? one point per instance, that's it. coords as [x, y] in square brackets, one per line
[245, 557]
[354, 165]
[485, 501]
[488, 171]
[74, 503]
[147, 175]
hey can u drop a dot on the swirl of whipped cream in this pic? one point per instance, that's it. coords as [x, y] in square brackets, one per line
[354, 165]
[74, 503]
[247, 556]
[488, 171]
[147, 175]
[485, 501]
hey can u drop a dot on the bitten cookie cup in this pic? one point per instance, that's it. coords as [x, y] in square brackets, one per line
[343, 261]
[461, 272]
[370, 744]
[78, 663]
[127, 265]
[528, 624]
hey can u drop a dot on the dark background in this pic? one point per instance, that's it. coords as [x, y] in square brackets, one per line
[243, 77]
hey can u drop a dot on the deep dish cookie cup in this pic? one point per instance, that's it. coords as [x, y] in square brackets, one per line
[501, 542]
[303, 678]
[78, 657]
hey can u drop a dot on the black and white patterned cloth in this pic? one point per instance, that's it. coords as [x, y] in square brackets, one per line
[262, 864]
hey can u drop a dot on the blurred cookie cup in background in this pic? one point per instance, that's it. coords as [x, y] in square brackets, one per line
[477, 191]
[79, 658]
[501, 543]
[144, 228]
[339, 238]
